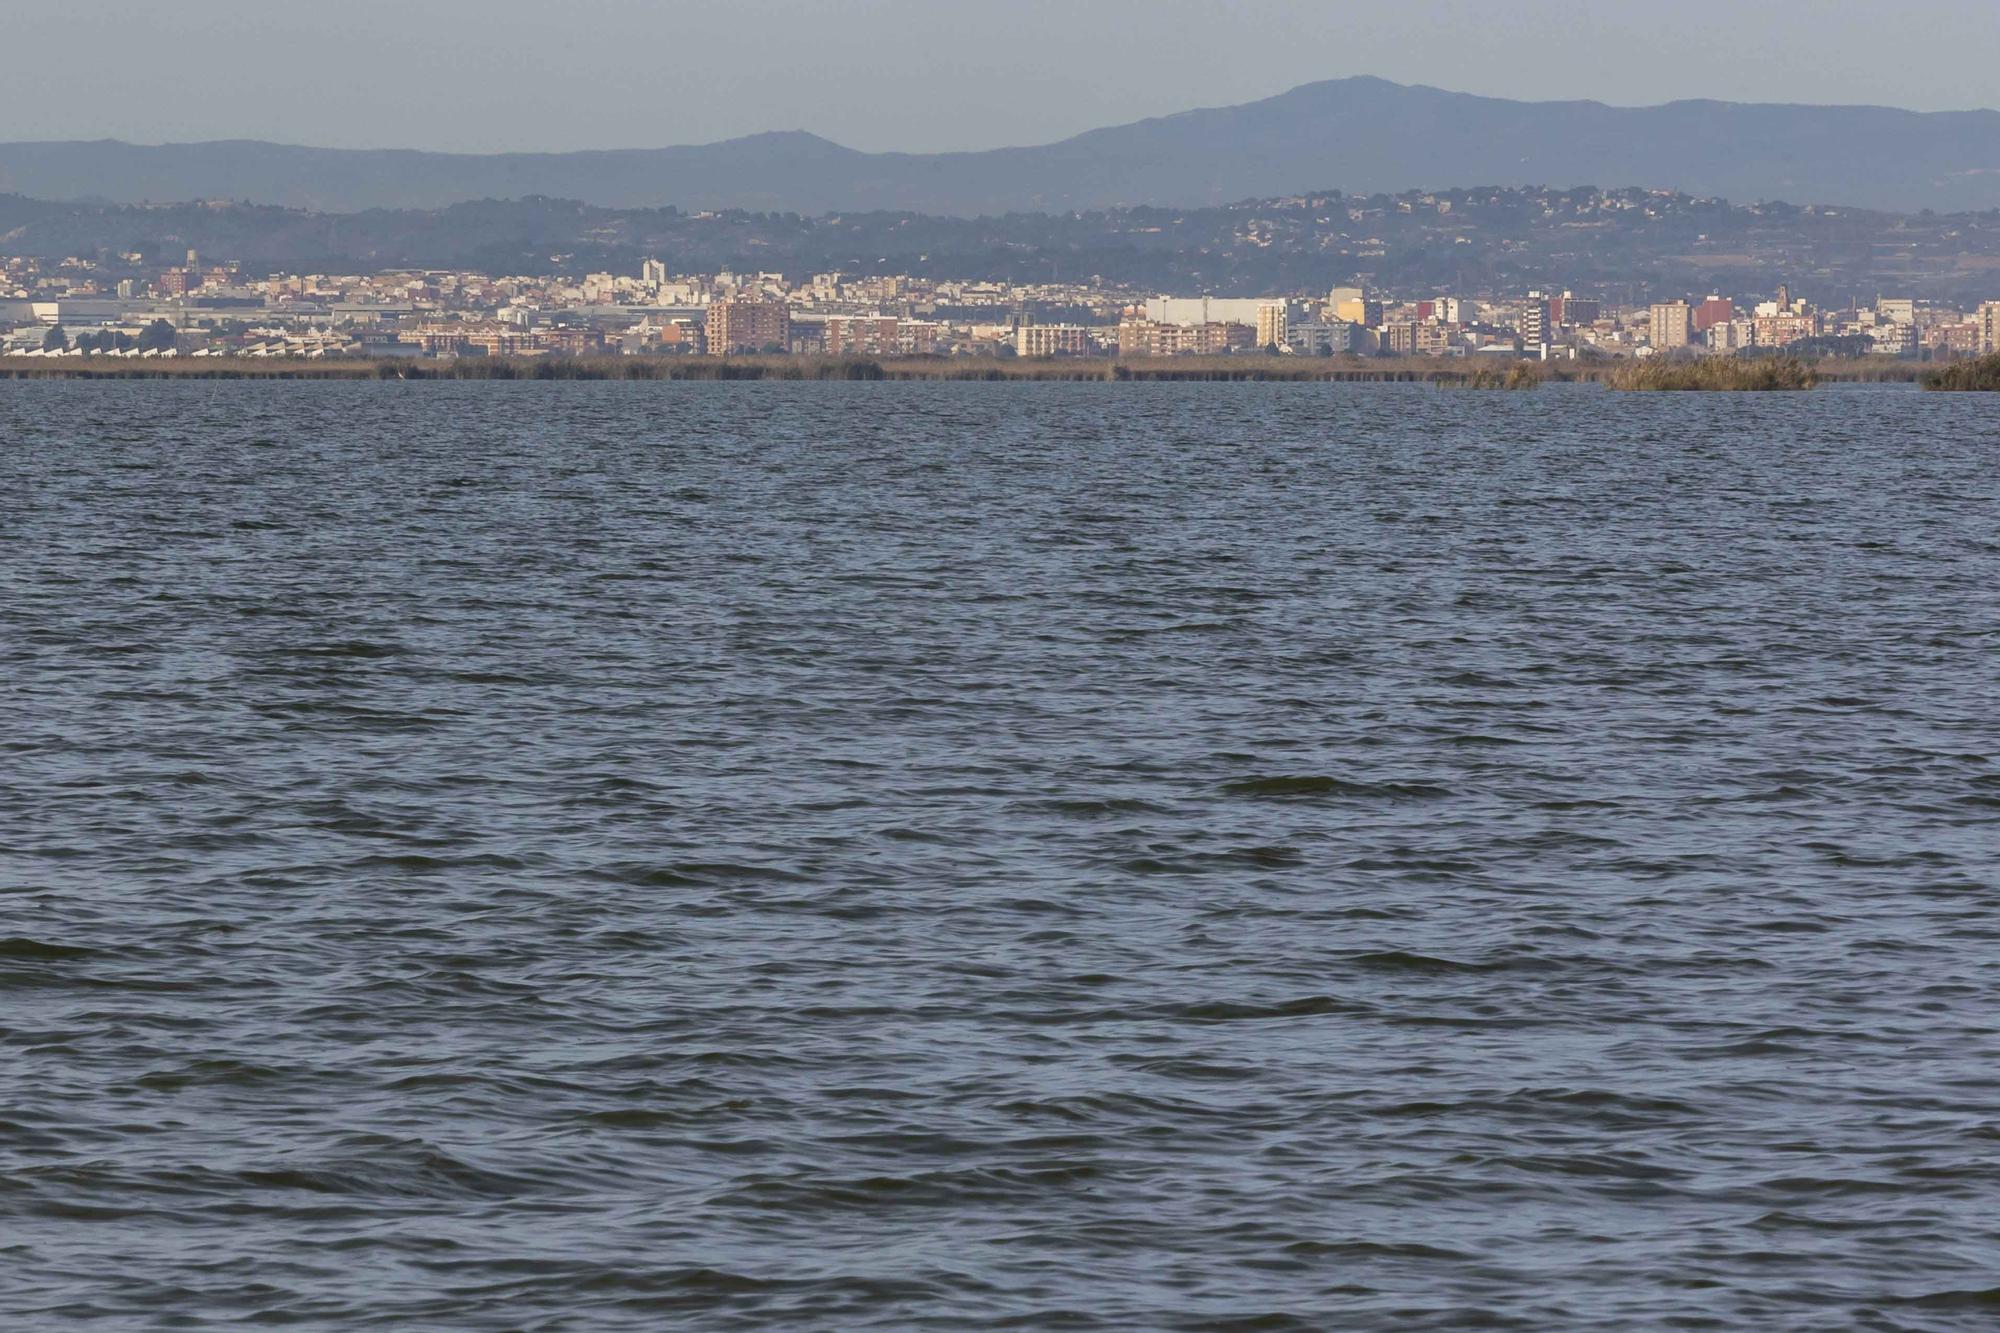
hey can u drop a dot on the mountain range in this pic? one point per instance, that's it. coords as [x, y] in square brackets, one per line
[1359, 135]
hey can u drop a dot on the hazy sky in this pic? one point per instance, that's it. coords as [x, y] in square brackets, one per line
[491, 75]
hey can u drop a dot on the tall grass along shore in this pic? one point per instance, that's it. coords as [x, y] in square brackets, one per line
[1981, 376]
[1714, 373]
[1449, 372]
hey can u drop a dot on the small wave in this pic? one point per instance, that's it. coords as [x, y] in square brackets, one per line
[1281, 787]
[418, 863]
[392, 1169]
[1375, 1249]
[1086, 807]
[690, 874]
[361, 648]
[924, 1189]
[209, 1073]
[22, 948]
[1225, 1011]
[1399, 960]
[1983, 1298]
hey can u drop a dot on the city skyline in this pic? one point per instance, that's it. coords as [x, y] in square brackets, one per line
[202, 308]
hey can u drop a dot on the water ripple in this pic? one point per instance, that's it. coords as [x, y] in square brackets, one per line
[562, 856]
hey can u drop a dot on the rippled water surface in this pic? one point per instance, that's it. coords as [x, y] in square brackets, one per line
[624, 856]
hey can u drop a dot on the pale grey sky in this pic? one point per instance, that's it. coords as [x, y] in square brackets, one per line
[919, 75]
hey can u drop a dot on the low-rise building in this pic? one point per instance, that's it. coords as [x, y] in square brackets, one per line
[860, 335]
[1436, 339]
[1399, 337]
[1145, 337]
[1729, 335]
[1355, 307]
[1892, 339]
[1571, 310]
[1897, 310]
[1320, 337]
[1786, 327]
[1206, 310]
[1037, 340]
[882, 335]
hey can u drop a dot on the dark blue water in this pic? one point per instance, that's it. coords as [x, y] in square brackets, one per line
[628, 856]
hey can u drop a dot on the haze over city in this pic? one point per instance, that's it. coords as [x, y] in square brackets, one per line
[914, 75]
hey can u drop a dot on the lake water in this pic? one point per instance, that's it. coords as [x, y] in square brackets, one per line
[625, 856]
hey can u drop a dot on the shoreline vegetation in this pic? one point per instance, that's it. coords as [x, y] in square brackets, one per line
[1715, 374]
[1981, 376]
[1711, 373]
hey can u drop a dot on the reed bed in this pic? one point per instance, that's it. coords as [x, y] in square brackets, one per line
[1981, 376]
[1715, 374]
[1450, 372]
[1522, 375]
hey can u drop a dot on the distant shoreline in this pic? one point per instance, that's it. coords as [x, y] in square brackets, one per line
[1266, 369]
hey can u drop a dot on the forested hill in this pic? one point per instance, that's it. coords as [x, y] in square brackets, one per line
[1615, 242]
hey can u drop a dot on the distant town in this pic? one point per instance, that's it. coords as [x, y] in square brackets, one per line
[79, 308]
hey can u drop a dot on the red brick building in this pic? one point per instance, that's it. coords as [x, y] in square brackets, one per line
[862, 335]
[748, 326]
[1715, 310]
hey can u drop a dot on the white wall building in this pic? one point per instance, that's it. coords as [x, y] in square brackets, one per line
[1188, 310]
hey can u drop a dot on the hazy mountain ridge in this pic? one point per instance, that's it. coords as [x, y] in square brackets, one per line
[1360, 134]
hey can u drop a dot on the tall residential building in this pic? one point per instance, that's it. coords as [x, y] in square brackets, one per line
[1535, 321]
[652, 272]
[748, 326]
[1988, 320]
[1715, 310]
[1274, 324]
[1671, 325]
[1276, 319]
